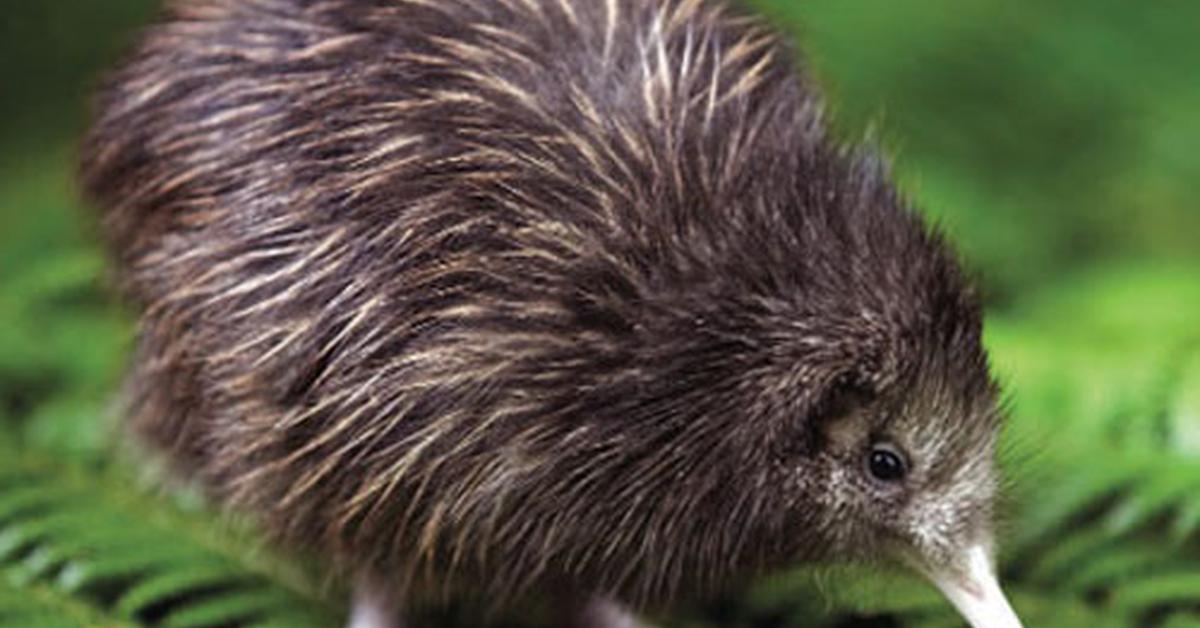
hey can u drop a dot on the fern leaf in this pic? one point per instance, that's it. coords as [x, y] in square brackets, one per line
[85, 549]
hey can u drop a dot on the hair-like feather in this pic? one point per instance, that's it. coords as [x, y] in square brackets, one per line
[501, 293]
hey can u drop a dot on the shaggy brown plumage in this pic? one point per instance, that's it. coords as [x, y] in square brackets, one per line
[497, 295]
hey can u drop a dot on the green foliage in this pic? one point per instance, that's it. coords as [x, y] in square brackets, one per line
[49, 54]
[1044, 134]
[62, 337]
[84, 546]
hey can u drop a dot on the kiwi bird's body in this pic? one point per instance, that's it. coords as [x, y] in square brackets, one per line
[506, 296]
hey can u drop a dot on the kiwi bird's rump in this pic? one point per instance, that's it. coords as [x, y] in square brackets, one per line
[511, 291]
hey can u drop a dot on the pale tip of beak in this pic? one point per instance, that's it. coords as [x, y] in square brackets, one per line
[973, 589]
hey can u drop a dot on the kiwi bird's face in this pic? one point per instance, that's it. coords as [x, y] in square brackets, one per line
[909, 477]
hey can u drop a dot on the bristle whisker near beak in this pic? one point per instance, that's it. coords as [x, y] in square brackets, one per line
[971, 585]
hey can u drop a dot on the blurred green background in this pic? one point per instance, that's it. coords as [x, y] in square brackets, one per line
[1056, 140]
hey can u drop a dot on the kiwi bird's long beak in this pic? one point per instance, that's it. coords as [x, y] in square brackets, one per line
[972, 587]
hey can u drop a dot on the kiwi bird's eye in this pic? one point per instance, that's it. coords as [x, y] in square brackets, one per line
[886, 464]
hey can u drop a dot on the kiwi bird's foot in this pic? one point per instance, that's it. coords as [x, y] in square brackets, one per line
[601, 612]
[372, 609]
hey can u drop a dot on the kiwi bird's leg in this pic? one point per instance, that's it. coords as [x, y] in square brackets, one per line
[970, 584]
[374, 609]
[601, 612]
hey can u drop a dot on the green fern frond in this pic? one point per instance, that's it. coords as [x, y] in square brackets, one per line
[87, 549]
[42, 606]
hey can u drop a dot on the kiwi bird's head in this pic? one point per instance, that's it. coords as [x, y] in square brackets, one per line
[837, 412]
[909, 478]
[852, 395]
[898, 459]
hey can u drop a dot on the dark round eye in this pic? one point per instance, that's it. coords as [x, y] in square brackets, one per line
[886, 464]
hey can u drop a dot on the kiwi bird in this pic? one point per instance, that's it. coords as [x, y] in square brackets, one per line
[499, 298]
